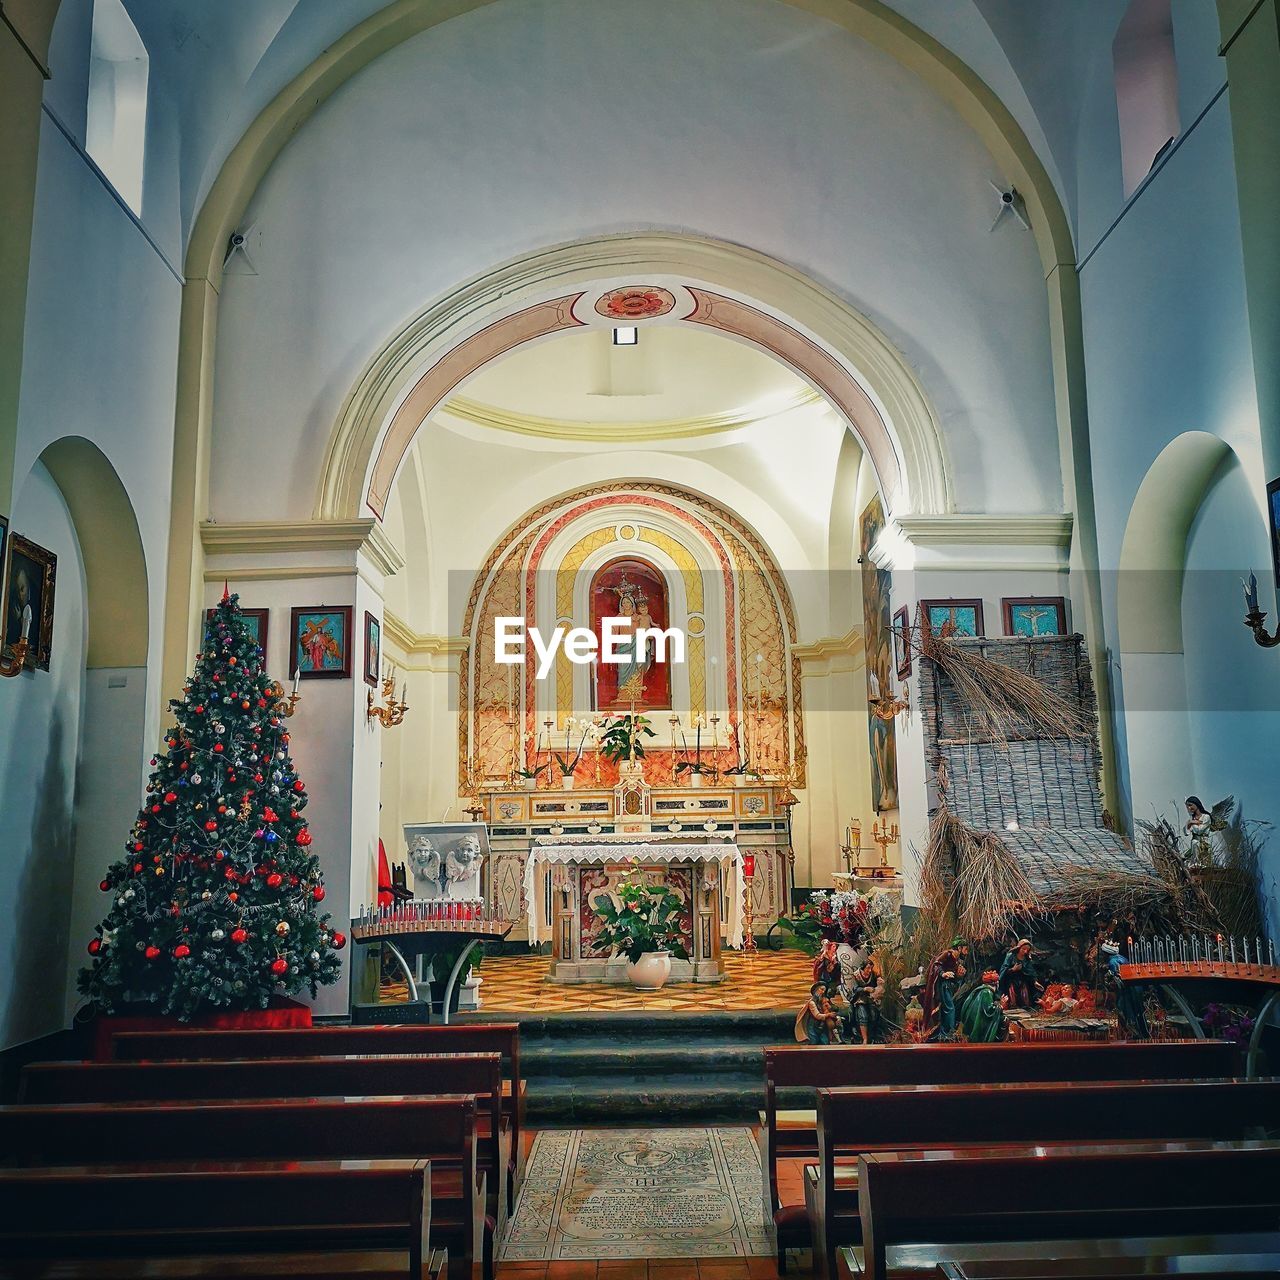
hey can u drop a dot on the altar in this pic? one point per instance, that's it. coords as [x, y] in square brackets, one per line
[699, 868]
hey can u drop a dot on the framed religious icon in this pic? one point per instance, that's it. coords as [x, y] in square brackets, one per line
[902, 642]
[1034, 615]
[955, 617]
[255, 621]
[635, 591]
[1273, 512]
[320, 642]
[29, 580]
[372, 649]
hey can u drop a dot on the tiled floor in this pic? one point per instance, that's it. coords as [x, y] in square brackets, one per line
[767, 980]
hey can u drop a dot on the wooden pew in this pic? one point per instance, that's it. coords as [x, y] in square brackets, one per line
[793, 1134]
[366, 1220]
[974, 1195]
[440, 1130]
[374, 1075]
[469, 1037]
[852, 1122]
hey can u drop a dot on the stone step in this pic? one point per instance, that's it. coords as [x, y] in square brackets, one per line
[637, 1100]
[574, 1058]
[766, 1027]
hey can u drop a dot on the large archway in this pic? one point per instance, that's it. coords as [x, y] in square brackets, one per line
[791, 317]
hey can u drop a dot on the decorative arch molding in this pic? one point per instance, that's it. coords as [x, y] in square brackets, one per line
[824, 340]
[708, 554]
[1153, 553]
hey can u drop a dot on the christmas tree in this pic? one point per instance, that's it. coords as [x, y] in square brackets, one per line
[216, 901]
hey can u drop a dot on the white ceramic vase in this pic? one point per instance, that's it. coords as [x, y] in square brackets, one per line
[566, 782]
[695, 779]
[530, 784]
[651, 971]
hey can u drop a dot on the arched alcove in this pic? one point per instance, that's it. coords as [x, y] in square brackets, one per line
[1149, 589]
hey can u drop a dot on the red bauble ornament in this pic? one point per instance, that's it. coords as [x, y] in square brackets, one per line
[231, 662]
[211, 825]
[151, 952]
[233, 897]
[303, 837]
[318, 893]
[217, 746]
[137, 867]
[269, 814]
[137, 846]
[238, 936]
[339, 941]
[105, 886]
[298, 785]
[95, 945]
[170, 797]
[275, 880]
[280, 965]
[155, 808]
[262, 702]
[200, 711]
[181, 951]
[244, 706]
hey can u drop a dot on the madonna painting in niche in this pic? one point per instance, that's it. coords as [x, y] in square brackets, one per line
[637, 592]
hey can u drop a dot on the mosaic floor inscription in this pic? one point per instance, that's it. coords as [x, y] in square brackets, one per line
[639, 1193]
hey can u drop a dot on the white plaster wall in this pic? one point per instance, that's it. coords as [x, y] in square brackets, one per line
[100, 356]
[39, 741]
[527, 124]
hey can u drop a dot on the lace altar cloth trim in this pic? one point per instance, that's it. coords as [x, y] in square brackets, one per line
[575, 850]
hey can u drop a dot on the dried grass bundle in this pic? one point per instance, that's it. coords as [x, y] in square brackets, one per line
[1194, 908]
[1120, 893]
[1003, 701]
[988, 889]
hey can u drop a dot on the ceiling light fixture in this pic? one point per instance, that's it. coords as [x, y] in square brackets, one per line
[626, 335]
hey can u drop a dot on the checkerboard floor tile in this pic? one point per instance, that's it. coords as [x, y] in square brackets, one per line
[768, 980]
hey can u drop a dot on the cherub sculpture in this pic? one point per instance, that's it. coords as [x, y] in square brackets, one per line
[462, 861]
[424, 860]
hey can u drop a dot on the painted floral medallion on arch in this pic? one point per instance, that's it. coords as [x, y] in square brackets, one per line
[636, 302]
[634, 590]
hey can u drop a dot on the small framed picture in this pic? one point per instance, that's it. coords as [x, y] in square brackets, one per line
[29, 578]
[1273, 511]
[1034, 615]
[372, 649]
[952, 617]
[255, 621]
[902, 642]
[320, 642]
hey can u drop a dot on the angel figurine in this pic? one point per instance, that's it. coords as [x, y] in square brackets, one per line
[1200, 825]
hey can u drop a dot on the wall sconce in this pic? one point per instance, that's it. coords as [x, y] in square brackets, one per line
[884, 706]
[392, 713]
[282, 705]
[1254, 617]
[12, 665]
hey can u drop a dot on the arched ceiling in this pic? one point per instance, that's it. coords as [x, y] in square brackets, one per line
[216, 66]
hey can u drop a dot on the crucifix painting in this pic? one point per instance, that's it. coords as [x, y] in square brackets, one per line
[636, 591]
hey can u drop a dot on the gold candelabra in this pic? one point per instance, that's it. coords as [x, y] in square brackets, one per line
[12, 665]
[393, 711]
[884, 835]
[283, 704]
[883, 705]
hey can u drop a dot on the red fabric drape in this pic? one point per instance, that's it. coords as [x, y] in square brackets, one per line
[385, 896]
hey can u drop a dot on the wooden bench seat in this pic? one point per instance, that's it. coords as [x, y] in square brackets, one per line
[300, 1042]
[368, 1075]
[350, 1264]
[75, 1219]
[852, 1122]
[441, 1130]
[981, 1196]
[793, 1072]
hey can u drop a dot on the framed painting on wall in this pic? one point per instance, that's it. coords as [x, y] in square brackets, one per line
[320, 642]
[956, 617]
[1273, 511]
[372, 649]
[902, 642]
[877, 584]
[255, 621]
[29, 579]
[1034, 615]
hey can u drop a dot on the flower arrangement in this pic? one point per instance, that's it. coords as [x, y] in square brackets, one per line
[620, 739]
[566, 763]
[1224, 1023]
[646, 919]
[694, 765]
[845, 914]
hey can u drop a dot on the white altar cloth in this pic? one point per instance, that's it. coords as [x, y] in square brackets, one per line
[648, 847]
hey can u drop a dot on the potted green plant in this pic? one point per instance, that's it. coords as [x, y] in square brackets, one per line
[694, 767]
[530, 776]
[739, 772]
[644, 926]
[620, 738]
[566, 763]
